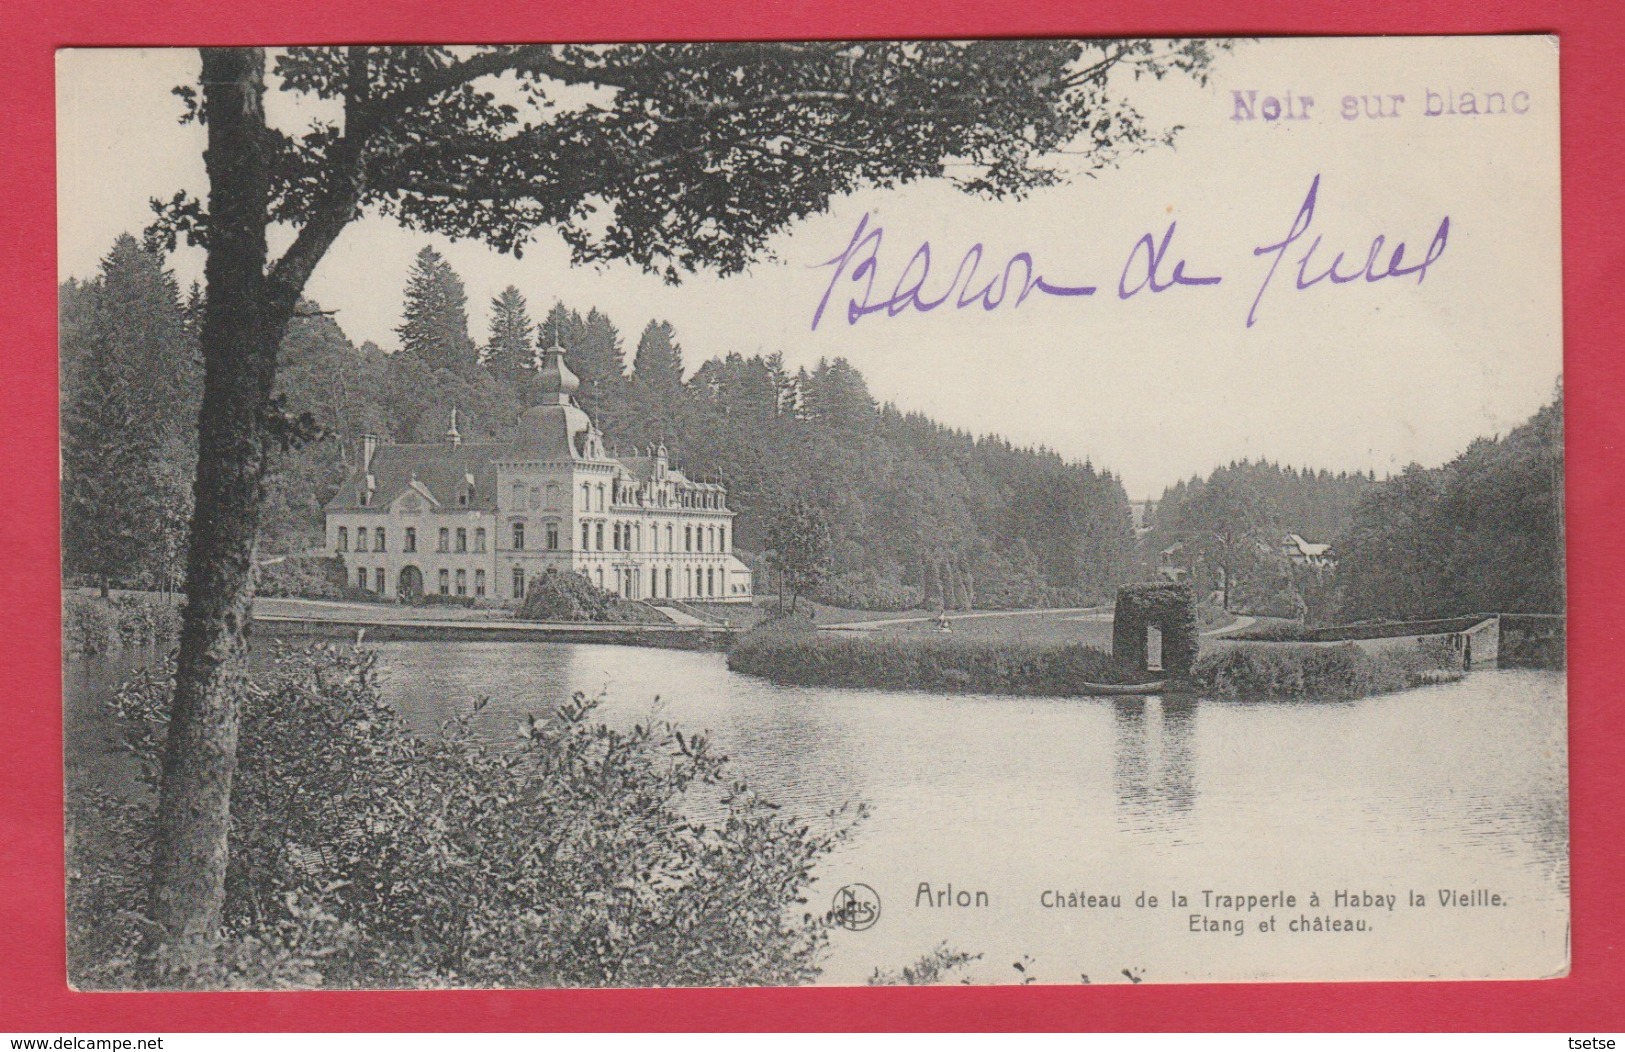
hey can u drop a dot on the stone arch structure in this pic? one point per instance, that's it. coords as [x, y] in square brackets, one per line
[1168, 607]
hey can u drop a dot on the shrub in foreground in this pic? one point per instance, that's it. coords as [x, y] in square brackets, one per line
[366, 856]
[1343, 671]
[922, 662]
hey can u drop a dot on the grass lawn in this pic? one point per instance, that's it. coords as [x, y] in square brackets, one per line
[1049, 626]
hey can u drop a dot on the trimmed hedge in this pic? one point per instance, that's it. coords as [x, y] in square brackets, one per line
[1261, 671]
[922, 662]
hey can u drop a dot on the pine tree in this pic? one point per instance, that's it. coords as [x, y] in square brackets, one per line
[510, 352]
[600, 362]
[127, 444]
[658, 364]
[435, 325]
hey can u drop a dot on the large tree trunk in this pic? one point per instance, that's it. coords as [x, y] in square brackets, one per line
[241, 329]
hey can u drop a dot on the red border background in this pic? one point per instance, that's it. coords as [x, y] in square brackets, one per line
[33, 994]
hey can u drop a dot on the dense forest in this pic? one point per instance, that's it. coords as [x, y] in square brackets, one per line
[917, 513]
[1483, 533]
[1228, 528]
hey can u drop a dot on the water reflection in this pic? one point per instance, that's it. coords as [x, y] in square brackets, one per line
[1154, 764]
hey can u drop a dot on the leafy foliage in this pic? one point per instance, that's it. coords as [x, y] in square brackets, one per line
[942, 965]
[571, 597]
[92, 625]
[1482, 534]
[1256, 671]
[799, 540]
[308, 577]
[366, 856]
[678, 156]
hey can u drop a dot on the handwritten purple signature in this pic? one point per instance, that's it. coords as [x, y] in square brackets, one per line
[1152, 267]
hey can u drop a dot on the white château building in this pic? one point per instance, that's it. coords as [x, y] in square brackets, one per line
[480, 519]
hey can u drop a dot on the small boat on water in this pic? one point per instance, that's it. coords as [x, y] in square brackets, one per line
[1114, 689]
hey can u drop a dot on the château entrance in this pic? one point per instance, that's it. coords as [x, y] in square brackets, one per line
[410, 585]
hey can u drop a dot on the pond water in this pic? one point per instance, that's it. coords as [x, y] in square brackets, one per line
[1460, 786]
[1031, 801]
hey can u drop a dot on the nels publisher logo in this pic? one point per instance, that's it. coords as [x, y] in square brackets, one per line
[855, 907]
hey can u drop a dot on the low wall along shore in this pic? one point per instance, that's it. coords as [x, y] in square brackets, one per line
[678, 637]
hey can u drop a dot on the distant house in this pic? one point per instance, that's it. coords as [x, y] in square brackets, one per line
[1300, 552]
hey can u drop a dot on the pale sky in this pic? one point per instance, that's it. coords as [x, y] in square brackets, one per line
[1156, 387]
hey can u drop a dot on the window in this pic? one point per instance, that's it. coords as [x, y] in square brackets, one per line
[598, 535]
[463, 495]
[462, 539]
[445, 582]
[378, 580]
[586, 535]
[519, 536]
[600, 496]
[479, 584]
[668, 582]
[518, 495]
[586, 497]
[361, 578]
[669, 548]
[519, 582]
[688, 538]
[710, 583]
[600, 577]
[344, 538]
[411, 539]
[445, 539]
[615, 532]
[479, 539]
[360, 538]
[637, 538]
[654, 537]
[552, 536]
[552, 496]
[722, 535]
[378, 539]
[462, 582]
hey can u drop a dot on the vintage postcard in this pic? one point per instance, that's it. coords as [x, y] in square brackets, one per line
[895, 512]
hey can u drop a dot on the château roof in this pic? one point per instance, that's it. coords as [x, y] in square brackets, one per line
[442, 468]
[559, 431]
[556, 430]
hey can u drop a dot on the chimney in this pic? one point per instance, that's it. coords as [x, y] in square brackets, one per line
[369, 446]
